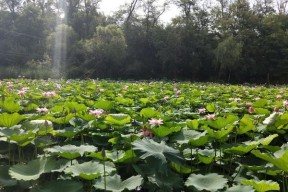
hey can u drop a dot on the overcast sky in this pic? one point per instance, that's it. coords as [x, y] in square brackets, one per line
[109, 6]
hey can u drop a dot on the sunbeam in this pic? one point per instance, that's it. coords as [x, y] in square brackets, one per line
[60, 43]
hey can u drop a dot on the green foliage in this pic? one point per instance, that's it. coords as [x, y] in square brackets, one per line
[58, 186]
[9, 120]
[33, 169]
[89, 170]
[121, 149]
[161, 151]
[262, 185]
[114, 183]
[210, 182]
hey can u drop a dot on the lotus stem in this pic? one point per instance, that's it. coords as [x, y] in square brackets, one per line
[103, 153]
[104, 176]
[9, 152]
[19, 153]
[284, 182]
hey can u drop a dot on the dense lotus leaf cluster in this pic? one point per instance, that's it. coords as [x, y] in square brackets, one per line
[142, 136]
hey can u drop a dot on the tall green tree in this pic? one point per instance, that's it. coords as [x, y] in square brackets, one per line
[103, 53]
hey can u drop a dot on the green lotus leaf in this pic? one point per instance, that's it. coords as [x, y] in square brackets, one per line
[267, 140]
[128, 157]
[114, 183]
[262, 186]
[71, 151]
[61, 120]
[193, 124]
[238, 188]
[211, 107]
[196, 138]
[201, 140]
[163, 131]
[33, 169]
[168, 181]
[246, 124]
[149, 113]
[115, 155]
[180, 168]
[124, 101]
[74, 107]
[206, 156]
[42, 127]
[118, 119]
[68, 132]
[77, 122]
[144, 100]
[209, 182]
[260, 103]
[160, 151]
[10, 105]
[90, 170]
[262, 111]
[59, 186]
[105, 105]
[20, 136]
[279, 158]
[220, 134]
[241, 149]
[9, 120]
[222, 122]
[5, 178]
[281, 120]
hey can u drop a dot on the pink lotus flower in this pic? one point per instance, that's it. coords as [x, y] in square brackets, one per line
[251, 110]
[146, 132]
[41, 110]
[211, 116]
[10, 86]
[96, 112]
[248, 104]
[276, 109]
[154, 121]
[285, 103]
[49, 94]
[21, 93]
[202, 110]
[278, 97]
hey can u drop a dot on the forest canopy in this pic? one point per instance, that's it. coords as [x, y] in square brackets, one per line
[228, 40]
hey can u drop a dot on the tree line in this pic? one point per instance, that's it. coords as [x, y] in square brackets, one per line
[224, 40]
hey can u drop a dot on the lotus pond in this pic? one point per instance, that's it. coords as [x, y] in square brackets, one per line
[93, 135]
